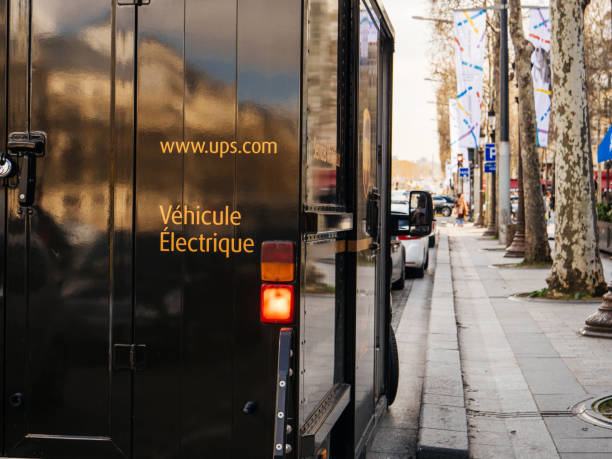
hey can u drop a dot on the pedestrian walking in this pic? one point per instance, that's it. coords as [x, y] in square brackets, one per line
[547, 205]
[461, 210]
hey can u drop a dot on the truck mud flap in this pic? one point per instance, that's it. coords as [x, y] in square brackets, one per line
[318, 426]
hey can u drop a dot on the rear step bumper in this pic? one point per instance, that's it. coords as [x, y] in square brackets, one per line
[322, 420]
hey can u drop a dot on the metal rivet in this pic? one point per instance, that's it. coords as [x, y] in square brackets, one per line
[289, 428]
[279, 447]
[281, 415]
[282, 384]
[288, 448]
[22, 196]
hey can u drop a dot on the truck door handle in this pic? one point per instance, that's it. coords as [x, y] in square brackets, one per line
[372, 213]
[28, 146]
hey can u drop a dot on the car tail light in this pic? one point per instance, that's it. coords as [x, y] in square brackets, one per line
[407, 238]
[277, 303]
[277, 261]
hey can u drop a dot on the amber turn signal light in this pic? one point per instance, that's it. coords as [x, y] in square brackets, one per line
[277, 261]
[277, 304]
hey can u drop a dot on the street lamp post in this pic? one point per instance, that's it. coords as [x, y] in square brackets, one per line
[599, 324]
[517, 248]
[504, 139]
[478, 198]
[472, 162]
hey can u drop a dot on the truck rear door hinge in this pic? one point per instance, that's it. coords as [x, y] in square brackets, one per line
[134, 2]
[129, 356]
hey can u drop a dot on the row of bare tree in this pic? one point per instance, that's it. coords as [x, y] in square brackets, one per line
[580, 81]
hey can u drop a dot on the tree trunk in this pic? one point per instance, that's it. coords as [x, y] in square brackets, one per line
[537, 249]
[576, 266]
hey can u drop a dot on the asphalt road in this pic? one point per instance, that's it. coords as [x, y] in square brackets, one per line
[396, 434]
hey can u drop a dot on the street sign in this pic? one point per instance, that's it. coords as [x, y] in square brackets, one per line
[604, 152]
[464, 172]
[490, 152]
[489, 167]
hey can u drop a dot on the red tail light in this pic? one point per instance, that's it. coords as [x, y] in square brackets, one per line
[407, 238]
[277, 303]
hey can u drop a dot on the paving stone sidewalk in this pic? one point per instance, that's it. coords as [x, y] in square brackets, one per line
[524, 365]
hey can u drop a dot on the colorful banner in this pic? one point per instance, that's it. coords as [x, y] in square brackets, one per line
[539, 35]
[470, 44]
[448, 177]
[455, 133]
[539, 28]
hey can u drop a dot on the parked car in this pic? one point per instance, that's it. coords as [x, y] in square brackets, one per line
[398, 263]
[400, 205]
[443, 204]
[399, 195]
[446, 197]
[432, 236]
[416, 250]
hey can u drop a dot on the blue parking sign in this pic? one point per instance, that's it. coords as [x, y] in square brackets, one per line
[464, 172]
[489, 167]
[604, 152]
[490, 152]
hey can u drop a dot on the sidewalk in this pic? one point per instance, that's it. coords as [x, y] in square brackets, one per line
[524, 366]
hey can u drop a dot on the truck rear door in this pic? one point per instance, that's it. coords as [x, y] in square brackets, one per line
[208, 72]
[64, 258]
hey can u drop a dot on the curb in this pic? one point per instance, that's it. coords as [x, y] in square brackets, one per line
[443, 418]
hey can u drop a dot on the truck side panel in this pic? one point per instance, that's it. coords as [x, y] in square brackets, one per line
[267, 194]
[215, 72]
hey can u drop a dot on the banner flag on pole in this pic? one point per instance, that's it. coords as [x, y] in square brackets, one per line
[470, 44]
[540, 28]
[449, 173]
[455, 133]
[539, 35]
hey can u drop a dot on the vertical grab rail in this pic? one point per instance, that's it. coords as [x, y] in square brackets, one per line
[281, 428]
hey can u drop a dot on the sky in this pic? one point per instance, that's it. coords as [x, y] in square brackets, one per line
[414, 111]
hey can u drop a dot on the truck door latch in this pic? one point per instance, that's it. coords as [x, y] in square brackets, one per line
[129, 356]
[29, 146]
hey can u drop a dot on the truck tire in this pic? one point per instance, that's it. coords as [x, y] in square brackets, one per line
[419, 273]
[432, 241]
[393, 376]
[447, 211]
[399, 284]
